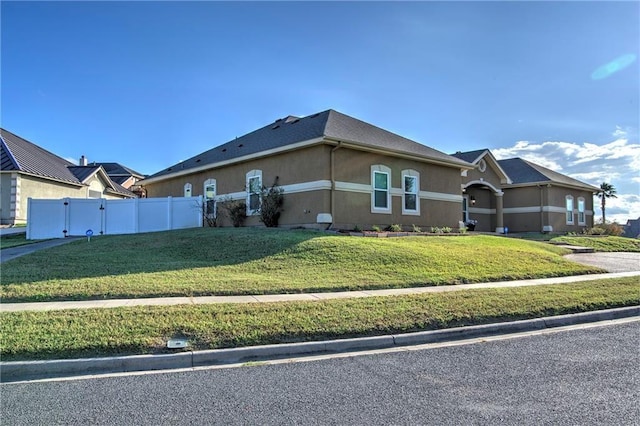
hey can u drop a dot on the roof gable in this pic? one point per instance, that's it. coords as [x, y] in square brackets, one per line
[24, 156]
[18, 154]
[474, 158]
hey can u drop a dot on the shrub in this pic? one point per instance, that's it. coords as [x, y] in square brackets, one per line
[356, 228]
[463, 230]
[236, 210]
[395, 228]
[446, 230]
[271, 204]
[596, 230]
[435, 230]
[375, 228]
[416, 228]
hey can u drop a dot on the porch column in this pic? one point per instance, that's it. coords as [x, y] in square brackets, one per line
[499, 219]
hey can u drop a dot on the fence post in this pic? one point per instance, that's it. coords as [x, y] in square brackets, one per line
[201, 202]
[170, 213]
[103, 225]
[28, 218]
[67, 221]
[136, 215]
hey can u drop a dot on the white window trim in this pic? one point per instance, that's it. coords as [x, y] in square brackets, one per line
[252, 174]
[416, 175]
[582, 213]
[465, 207]
[567, 210]
[379, 168]
[209, 182]
[188, 188]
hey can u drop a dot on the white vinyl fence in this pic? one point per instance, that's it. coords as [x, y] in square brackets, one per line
[75, 216]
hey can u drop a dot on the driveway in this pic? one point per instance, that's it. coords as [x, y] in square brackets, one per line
[612, 262]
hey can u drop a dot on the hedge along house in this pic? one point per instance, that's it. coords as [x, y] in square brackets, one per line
[336, 171]
[523, 196]
[29, 171]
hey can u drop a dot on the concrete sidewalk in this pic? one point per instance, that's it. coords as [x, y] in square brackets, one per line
[266, 298]
[13, 252]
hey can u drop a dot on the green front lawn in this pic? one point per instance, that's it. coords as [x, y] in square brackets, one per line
[230, 261]
[602, 243]
[15, 240]
[146, 329]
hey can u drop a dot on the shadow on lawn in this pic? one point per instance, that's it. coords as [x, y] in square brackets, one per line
[152, 252]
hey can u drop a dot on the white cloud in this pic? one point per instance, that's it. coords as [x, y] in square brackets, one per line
[619, 132]
[616, 162]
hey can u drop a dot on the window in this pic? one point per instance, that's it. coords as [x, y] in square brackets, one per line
[187, 190]
[482, 166]
[569, 201]
[254, 189]
[210, 197]
[381, 194]
[410, 194]
[465, 208]
[581, 214]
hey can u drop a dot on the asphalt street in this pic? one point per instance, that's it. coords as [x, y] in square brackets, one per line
[577, 377]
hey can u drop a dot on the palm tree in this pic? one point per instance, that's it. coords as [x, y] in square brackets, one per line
[606, 191]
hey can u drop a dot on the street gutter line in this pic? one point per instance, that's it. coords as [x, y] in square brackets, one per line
[313, 358]
[32, 370]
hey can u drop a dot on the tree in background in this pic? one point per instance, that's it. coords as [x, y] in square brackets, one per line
[606, 191]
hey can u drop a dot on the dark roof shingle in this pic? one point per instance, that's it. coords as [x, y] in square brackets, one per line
[290, 130]
[522, 171]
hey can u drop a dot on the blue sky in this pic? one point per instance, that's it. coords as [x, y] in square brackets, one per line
[148, 84]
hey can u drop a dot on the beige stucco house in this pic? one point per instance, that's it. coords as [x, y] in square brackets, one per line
[29, 171]
[340, 172]
[522, 196]
[336, 171]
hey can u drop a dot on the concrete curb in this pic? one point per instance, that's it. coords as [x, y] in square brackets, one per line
[33, 370]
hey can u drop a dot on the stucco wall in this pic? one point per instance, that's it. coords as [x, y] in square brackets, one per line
[352, 206]
[5, 198]
[530, 209]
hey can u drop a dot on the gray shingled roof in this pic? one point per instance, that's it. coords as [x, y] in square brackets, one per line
[18, 154]
[469, 156]
[522, 171]
[117, 170]
[290, 130]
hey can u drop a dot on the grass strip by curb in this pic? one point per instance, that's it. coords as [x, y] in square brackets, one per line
[139, 330]
[602, 243]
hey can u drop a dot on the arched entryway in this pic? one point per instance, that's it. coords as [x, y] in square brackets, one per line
[482, 202]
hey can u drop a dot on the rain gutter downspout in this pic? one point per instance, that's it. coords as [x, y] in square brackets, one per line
[541, 208]
[332, 200]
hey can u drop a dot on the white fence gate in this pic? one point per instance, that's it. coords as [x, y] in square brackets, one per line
[75, 216]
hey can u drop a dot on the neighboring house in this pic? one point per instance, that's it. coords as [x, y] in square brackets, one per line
[29, 171]
[336, 171]
[123, 176]
[632, 228]
[523, 196]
